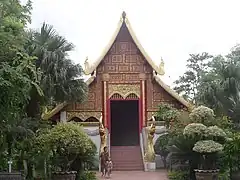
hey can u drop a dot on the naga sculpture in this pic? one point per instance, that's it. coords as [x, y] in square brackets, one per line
[150, 153]
[103, 135]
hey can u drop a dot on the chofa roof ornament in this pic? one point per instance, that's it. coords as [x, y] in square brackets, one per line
[124, 15]
[161, 67]
[86, 65]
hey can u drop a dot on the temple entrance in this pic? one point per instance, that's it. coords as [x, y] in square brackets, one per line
[124, 122]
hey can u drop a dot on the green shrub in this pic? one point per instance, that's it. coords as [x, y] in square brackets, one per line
[224, 176]
[167, 113]
[161, 147]
[88, 175]
[66, 146]
[178, 175]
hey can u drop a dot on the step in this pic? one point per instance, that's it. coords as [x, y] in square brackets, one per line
[126, 158]
[124, 148]
[127, 168]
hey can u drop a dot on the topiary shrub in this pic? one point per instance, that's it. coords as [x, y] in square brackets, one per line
[204, 115]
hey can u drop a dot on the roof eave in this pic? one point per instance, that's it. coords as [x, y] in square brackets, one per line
[173, 93]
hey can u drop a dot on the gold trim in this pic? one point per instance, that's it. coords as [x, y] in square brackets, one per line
[124, 89]
[93, 124]
[83, 115]
[91, 68]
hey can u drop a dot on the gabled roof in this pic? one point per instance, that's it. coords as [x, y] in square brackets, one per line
[89, 69]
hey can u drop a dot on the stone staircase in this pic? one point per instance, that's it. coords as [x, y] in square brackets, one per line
[126, 158]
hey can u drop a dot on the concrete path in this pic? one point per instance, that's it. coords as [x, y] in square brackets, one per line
[136, 175]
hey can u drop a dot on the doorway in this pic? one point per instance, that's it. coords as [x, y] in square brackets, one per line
[124, 116]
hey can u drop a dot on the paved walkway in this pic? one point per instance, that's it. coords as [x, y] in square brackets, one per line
[137, 175]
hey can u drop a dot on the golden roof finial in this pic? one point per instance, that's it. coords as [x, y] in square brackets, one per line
[86, 60]
[124, 15]
[161, 67]
[86, 64]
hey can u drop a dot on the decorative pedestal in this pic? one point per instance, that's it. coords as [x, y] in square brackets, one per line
[150, 166]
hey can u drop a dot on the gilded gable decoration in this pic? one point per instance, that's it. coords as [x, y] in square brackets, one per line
[83, 115]
[124, 89]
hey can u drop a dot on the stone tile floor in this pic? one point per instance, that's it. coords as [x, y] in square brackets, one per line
[136, 175]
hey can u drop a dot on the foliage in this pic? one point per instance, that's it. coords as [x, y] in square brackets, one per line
[167, 113]
[161, 147]
[189, 83]
[214, 82]
[18, 76]
[202, 114]
[231, 150]
[207, 146]
[224, 175]
[66, 143]
[178, 175]
[220, 86]
[88, 175]
[215, 131]
[60, 78]
[194, 129]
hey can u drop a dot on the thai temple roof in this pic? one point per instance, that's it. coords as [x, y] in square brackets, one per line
[90, 69]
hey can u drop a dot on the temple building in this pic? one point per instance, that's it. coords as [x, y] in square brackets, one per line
[125, 89]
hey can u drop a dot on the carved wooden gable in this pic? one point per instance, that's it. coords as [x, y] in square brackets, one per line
[124, 61]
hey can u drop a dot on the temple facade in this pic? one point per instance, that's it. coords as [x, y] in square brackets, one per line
[125, 89]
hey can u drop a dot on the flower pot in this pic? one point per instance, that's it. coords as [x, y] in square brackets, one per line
[206, 174]
[236, 175]
[71, 175]
[8, 176]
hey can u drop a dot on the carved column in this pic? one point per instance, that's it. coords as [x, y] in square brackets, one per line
[142, 77]
[105, 79]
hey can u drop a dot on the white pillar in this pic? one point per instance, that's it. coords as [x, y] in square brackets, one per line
[63, 116]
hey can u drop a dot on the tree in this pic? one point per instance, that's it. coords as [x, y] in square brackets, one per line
[18, 74]
[220, 86]
[188, 84]
[61, 78]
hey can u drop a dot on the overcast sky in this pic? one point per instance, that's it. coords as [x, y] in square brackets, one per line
[171, 29]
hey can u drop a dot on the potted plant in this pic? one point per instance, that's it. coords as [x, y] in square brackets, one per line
[67, 145]
[207, 145]
[208, 150]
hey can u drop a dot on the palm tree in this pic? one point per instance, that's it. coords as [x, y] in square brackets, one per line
[60, 79]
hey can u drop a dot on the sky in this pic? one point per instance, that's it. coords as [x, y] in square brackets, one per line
[171, 29]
